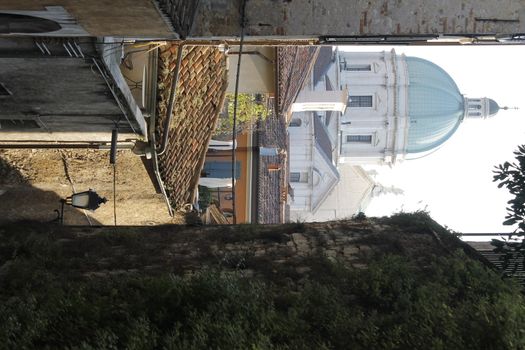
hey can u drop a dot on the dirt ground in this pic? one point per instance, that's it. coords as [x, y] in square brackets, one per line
[32, 182]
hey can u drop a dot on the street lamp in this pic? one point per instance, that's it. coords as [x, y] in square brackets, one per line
[82, 200]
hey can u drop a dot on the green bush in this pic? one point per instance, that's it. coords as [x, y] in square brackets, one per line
[450, 303]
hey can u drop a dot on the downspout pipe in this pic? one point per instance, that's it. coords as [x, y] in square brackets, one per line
[171, 103]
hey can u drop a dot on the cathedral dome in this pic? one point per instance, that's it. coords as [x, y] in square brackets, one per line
[435, 105]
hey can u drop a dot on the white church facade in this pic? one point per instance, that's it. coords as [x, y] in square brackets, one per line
[397, 107]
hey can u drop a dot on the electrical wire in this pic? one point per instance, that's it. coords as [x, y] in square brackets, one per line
[236, 94]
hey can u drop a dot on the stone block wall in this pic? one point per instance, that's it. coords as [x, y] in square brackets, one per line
[315, 18]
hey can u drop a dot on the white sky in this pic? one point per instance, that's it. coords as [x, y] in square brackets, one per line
[455, 183]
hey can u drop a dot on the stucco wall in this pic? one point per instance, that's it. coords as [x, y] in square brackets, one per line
[290, 18]
[135, 18]
[313, 18]
[65, 95]
[32, 182]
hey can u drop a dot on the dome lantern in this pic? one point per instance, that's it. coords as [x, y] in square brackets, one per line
[480, 108]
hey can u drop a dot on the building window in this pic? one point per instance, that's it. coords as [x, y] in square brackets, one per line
[18, 124]
[298, 176]
[360, 101]
[221, 169]
[359, 139]
[296, 122]
[358, 67]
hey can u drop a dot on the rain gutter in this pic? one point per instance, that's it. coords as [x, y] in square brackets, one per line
[154, 158]
[171, 103]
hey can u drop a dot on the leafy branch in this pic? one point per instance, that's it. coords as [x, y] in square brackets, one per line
[512, 177]
[250, 109]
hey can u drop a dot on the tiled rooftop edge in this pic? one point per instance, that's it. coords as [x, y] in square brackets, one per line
[200, 94]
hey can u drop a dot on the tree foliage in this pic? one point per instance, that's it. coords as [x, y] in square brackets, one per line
[433, 302]
[250, 109]
[512, 177]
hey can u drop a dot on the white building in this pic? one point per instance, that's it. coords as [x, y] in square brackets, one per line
[397, 106]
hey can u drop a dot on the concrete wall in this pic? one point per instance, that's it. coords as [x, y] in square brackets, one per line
[314, 18]
[66, 96]
[257, 70]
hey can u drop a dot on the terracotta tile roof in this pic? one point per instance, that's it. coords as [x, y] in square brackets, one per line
[271, 133]
[200, 94]
[295, 64]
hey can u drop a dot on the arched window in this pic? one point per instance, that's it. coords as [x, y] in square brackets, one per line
[16, 24]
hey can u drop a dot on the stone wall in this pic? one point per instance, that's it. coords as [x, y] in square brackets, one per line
[314, 18]
[272, 251]
[287, 19]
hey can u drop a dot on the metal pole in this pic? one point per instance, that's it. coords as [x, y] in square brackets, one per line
[62, 201]
[234, 159]
[171, 103]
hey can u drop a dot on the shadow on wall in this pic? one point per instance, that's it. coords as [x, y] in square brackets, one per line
[19, 200]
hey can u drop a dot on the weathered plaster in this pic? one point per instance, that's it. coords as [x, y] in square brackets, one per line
[135, 18]
[313, 18]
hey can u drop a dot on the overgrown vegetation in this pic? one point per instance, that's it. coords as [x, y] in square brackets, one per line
[444, 301]
[250, 109]
[512, 177]
[205, 197]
